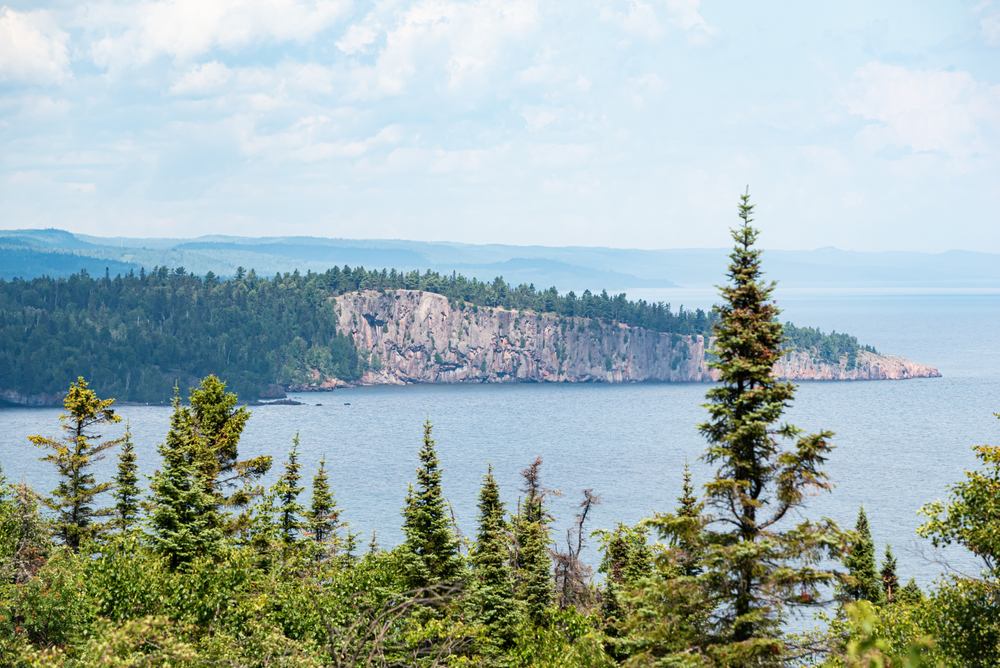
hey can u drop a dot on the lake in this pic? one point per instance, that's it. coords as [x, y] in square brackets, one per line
[899, 443]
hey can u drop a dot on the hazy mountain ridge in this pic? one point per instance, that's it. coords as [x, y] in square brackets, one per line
[567, 268]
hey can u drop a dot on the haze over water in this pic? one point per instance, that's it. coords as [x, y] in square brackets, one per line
[899, 443]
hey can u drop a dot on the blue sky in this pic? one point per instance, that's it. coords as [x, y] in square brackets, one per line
[627, 123]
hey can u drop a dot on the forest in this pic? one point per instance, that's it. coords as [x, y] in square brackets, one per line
[134, 336]
[205, 566]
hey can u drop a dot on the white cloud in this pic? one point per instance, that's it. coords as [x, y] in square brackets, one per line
[538, 117]
[641, 18]
[991, 29]
[358, 37]
[185, 29]
[638, 18]
[202, 79]
[464, 39]
[932, 110]
[32, 48]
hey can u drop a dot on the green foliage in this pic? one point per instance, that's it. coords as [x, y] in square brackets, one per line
[74, 498]
[864, 583]
[126, 485]
[288, 490]
[827, 348]
[972, 515]
[431, 545]
[495, 607]
[890, 581]
[184, 521]
[323, 517]
[137, 334]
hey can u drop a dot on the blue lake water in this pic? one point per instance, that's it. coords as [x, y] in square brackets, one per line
[899, 443]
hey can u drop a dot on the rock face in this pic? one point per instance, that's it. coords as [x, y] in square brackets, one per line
[419, 337]
[15, 398]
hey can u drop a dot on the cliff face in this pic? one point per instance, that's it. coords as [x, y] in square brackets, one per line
[15, 398]
[420, 337]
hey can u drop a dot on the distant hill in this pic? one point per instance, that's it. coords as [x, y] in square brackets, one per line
[58, 253]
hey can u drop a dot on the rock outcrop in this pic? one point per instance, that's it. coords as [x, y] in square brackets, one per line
[419, 337]
[43, 400]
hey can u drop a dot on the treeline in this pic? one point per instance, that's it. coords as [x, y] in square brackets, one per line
[135, 335]
[209, 568]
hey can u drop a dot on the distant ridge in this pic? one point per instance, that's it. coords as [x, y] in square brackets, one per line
[567, 268]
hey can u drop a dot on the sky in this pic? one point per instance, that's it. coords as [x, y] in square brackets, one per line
[624, 123]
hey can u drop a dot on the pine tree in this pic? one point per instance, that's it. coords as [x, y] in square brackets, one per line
[431, 544]
[373, 547]
[126, 485]
[860, 563]
[890, 581]
[910, 593]
[183, 521]
[494, 593]
[323, 517]
[288, 490]
[75, 496]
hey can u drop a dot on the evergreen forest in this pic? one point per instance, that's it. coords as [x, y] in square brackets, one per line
[205, 566]
[133, 336]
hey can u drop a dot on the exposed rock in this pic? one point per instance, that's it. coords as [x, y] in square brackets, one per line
[272, 391]
[419, 337]
[15, 398]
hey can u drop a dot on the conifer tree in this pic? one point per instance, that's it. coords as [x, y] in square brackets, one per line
[910, 593]
[534, 563]
[126, 484]
[323, 517]
[290, 512]
[860, 563]
[217, 423]
[755, 567]
[373, 547]
[431, 545]
[183, 519]
[75, 497]
[689, 510]
[490, 556]
[890, 581]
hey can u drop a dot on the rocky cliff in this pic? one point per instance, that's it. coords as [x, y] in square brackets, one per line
[419, 337]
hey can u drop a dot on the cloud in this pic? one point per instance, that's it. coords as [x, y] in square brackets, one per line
[32, 48]
[641, 18]
[930, 110]
[202, 79]
[685, 15]
[186, 29]
[991, 29]
[461, 40]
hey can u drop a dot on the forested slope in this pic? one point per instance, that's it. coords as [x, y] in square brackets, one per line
[135, 335]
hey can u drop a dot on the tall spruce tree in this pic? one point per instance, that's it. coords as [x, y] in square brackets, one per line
[755, 564]
[494, 596]
[323, 517]
[890, 581]
[431, 546]
[75, 498]
[126, 484]
[860, 563]
[689, 511]
[290, 511]
[183, 520]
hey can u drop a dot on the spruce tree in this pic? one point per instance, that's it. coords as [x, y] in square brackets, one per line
[217, 423]
[534, 563]
[494, 594]
[183, 520]
[755, 564]
[910, 593]
[688, 511]
[126, 484]
[288, 490]
[861, 567]
[323, 517]
[75, 497]
[890, 581]
[431, 546]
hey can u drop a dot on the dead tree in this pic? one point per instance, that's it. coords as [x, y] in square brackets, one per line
[571, 574]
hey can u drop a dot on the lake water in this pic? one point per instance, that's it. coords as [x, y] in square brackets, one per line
[899, 444]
